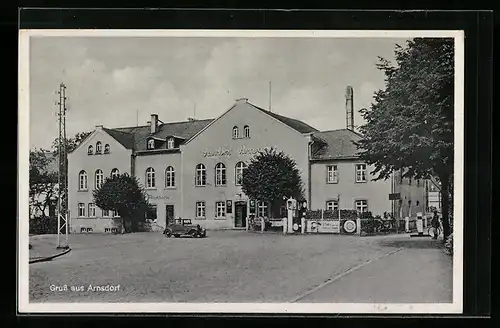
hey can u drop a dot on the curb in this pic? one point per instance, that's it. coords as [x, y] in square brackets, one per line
[49, 258]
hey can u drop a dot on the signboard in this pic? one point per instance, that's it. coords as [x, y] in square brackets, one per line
[323, 226]
[229, 206]
[395, 196]
[350, 226]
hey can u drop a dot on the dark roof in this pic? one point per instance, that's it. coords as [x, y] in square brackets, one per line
[126, 139]
[135, 137]
[291, 122]
[335, 144]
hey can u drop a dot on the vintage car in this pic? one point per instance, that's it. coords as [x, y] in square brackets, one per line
[184, 228]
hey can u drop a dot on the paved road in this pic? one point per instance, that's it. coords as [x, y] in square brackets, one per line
[237, 266]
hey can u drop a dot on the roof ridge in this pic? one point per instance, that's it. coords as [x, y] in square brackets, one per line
[164, 123]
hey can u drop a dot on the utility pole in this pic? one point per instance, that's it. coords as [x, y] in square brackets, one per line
[62, 199]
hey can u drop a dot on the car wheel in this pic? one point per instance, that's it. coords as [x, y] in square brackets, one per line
[168, 233]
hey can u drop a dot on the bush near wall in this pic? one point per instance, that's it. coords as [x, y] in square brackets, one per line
[332, 215]
[448, 245]
[42, 226]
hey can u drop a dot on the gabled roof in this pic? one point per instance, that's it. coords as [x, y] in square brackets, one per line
[135, 137]
[335, 144]
[291, 122]
[124, 138]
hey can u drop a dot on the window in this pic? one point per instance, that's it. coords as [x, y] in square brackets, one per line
[170, 143]
[150, 178]
[262, 209]
[105, 213]
[98, 147]
[90, 150]
[360, 172]
[220, 174]
[106, 149]
[115, 173]
[115, 214]
[332, 205]
[332, 174]
[200, 210]
[170, 177]
[91, 210]
[201, 175]
[151, 144]
[246, 130]
[240, 167]
[99, 179]
[220, 209]
[82, 180]
[236, 133]
[361, 205]
[81, 210]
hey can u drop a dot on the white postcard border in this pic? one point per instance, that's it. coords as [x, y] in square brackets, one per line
[24, 306]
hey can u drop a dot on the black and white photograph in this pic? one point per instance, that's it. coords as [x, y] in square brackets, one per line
[241, 171]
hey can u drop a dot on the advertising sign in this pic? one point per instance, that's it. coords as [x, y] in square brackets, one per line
[323, 226]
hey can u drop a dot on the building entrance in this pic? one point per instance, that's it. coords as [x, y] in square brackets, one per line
[169, 214]
[240, 214]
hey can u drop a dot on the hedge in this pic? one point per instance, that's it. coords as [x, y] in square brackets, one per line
[41, 226]
[332, 215]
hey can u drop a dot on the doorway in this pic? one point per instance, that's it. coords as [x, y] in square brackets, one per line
[169, 214]
[240, 214]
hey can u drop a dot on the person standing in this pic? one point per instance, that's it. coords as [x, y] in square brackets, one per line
[435, 224]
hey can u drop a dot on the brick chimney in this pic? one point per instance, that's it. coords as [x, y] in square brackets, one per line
[154, 123]
[349, 107]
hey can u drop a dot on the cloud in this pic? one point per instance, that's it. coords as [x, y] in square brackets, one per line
[111, 81]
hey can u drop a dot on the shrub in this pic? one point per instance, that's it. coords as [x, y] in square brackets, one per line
[331, 215]
[448, 245]
[41, 226]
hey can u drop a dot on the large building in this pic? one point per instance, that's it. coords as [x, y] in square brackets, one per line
[193, 169]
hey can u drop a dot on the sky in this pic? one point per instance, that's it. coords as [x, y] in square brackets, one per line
[121, 81]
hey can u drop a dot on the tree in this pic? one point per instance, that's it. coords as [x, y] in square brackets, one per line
[43, 182]
[271, 176]
[123, 194]
[409, 127]
[71, 143]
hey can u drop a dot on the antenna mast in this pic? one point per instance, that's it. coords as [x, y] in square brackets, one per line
[62, 199]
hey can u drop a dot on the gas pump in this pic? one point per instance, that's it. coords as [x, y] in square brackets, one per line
[297, 224]
[291, 206]
[295, 214]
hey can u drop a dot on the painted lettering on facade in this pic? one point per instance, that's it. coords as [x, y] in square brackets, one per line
[228, 152]
[249, 151]
[217, 153]
[158, 197]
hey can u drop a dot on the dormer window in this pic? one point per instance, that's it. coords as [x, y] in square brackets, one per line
[106, 148]
[98, 147]
[236, 133]
[246, 130]
[170, 143]
[151, 144]
[90, 150]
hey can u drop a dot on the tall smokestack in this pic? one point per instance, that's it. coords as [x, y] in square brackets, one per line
[349, 107]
